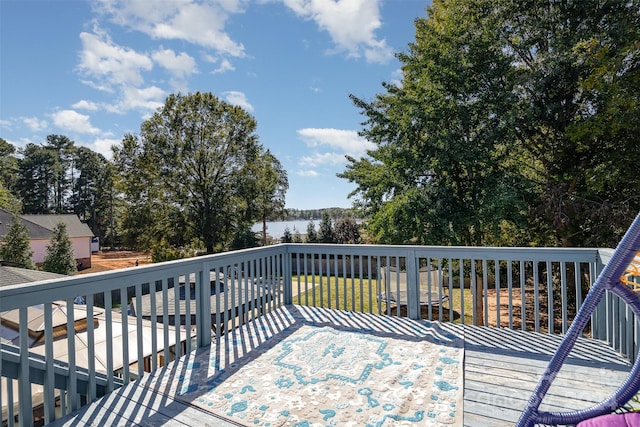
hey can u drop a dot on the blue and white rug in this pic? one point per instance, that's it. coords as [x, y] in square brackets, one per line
[302, 366]
[334, 375]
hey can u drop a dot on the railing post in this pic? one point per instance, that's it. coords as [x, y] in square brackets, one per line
[413, 286]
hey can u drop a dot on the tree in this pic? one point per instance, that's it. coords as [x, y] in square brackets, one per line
[8, 165]
[286, 236]
[92, 188]
[504, 120]
[15, 246]
[245, 238]
[297, 238]
[8, 201]
[267, 189]
[35, 179]
[140, 197]
[326, 234]
[312, 235]
[62, 152]
[59, 258]
[194, 156]
[346, 231]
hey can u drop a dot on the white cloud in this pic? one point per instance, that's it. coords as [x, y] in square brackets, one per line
[103, 146]
[200, 23]
[109, 64]
[323, 158]
[307, 172]
[71, 120]
[85, 105]
[133, 98]
[351, 25]
[180, 66]
[225, 66]
[346, 141]
[239, 99]
[34, 123]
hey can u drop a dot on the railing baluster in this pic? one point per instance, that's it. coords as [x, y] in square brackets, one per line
[72, 386]
[139, 341]
[496, 285]
[461, 285]
[108, 316]
[563, 290]
[165, 320]
[523, 296]
[298, 274]
[370, 282]
[510, 291]
[11, 416]
[313, 277]
[306, 278]
[91, 346]
[476, 300]
[24, 384]
[49, 392]
[187, 304]
[536, 303]
[550, 319]
[125, 334]
[176, 312]
[154, 324]
[485, 292]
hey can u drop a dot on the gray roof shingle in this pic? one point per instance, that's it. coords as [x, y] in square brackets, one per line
[39, 227]
[14, 275]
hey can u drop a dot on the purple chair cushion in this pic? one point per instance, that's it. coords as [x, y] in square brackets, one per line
[630, 419]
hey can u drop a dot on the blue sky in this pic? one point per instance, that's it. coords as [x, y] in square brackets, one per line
[95, 70]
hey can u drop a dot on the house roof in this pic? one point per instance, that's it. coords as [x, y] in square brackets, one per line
[35, 231]
[39, 227]
[15, 276]
[75, 228]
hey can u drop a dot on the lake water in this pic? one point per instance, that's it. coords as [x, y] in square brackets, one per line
[275, 229]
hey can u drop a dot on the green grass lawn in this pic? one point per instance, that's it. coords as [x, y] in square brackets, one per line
[360, 295]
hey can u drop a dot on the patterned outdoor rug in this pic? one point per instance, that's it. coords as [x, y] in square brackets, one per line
[336, 376]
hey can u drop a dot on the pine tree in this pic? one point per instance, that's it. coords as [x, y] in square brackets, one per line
[15, 248]
[286, 236]
[312, 235]
[59, 258]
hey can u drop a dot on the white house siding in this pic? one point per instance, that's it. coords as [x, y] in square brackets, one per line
[81, 250]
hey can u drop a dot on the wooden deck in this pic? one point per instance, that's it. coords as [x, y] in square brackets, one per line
[501, 368]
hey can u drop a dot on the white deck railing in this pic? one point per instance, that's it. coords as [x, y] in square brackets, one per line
[488, 286]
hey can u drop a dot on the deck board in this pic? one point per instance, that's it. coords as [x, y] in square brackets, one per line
[501, 370]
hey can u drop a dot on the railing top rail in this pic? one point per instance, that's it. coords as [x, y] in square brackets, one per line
[474, 252]
[28, 294]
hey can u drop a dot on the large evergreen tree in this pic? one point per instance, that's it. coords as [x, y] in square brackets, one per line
[15, 249]
[59, 258]
[35, 179]
[62, 151]
[326, 233]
